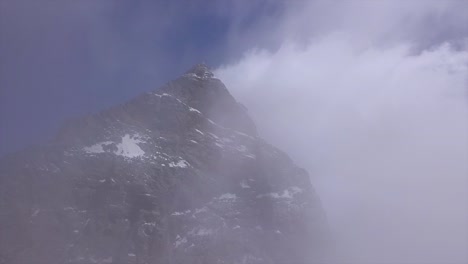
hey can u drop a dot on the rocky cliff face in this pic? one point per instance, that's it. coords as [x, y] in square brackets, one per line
[177, 175]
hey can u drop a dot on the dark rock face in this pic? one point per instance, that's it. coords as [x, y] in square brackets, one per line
[177, 175]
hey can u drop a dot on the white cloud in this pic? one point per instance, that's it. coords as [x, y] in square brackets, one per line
[383, 132]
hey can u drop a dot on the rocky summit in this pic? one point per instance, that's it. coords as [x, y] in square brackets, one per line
[176, 175]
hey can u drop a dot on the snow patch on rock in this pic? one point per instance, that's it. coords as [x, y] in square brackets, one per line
[194, 110]
[244, 184]
[251, 156]
[97, 148]
[201, 232]
[180, 164]
[180, 213]
[286, 194]
[128, 147]
[228, 197]
[180, 241]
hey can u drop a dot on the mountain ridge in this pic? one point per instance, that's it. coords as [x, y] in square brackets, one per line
[175, 175]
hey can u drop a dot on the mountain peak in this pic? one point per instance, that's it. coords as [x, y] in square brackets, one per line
[177, 175]
[200, 70]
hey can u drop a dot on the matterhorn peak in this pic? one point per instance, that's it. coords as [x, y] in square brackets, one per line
[175, 175]
[201, 71]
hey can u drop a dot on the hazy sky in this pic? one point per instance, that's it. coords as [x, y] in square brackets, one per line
[369, 96]
[70, 57]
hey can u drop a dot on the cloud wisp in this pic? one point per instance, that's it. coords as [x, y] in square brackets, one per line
[382, 129]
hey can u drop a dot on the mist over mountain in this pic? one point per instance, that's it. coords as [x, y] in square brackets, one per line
[369, 97]
[175, 175]
[384, 133]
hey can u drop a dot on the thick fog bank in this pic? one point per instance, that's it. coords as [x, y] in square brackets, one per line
[383, 132]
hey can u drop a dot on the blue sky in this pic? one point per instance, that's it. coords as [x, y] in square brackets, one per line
[62, 59]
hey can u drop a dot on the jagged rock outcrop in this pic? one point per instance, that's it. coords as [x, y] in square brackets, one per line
[177, 175]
